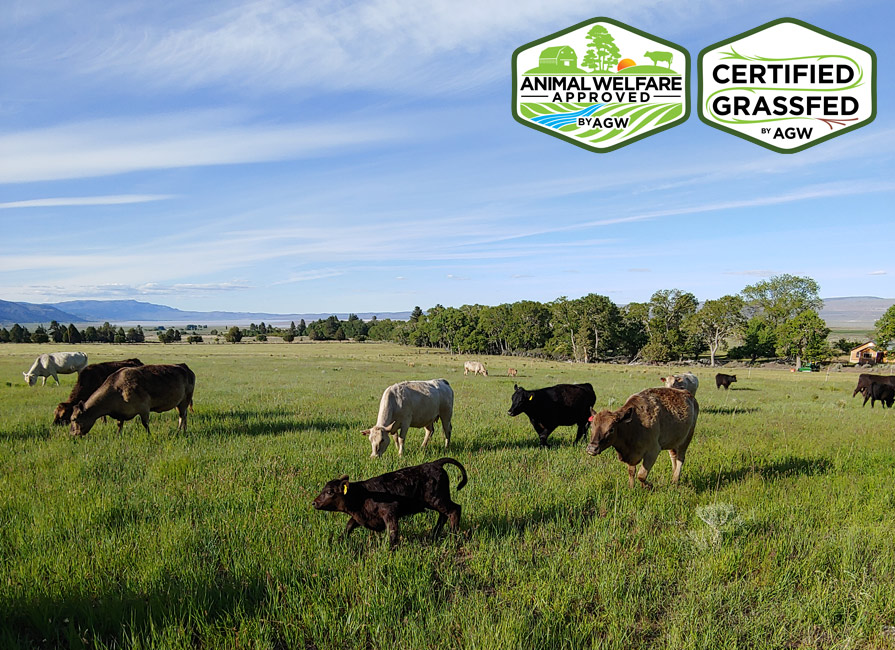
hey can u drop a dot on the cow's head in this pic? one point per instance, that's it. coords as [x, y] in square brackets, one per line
[29, 378]
[81, 423]
[521, 398]
[332, 497]
[604, 428]
[62, 414]
[379, 438]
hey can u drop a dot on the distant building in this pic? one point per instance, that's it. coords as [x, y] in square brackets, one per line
[558, 57]
[867, 353]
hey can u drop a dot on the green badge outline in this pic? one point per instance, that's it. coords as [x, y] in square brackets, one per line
[602, 19]
[760, 28]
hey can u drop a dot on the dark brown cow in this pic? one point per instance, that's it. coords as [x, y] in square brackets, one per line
[379, 502]
[650, 421]
[130, 392]
[864, 381]
[884, 393]
[724, 380]
[89, 380]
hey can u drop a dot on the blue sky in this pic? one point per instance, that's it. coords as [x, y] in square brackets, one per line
[336, 156]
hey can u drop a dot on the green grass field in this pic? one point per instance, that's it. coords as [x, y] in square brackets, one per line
[209, 540]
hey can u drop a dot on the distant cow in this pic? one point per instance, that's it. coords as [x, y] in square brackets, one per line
[650, 421]
[884, 393]
[411, 404]
[655, 57]
[511, 372]
[686, 381]
[475, 367]
[89, 379]
[555, 406]
[379, 502]
[865, 380]
[130, 392]
[724, 380]
[55, 363]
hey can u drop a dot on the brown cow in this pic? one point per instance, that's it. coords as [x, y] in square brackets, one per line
[724, 380]
[650, 421]
[130, 392]
[866, 379]
[511, 372]
[89, 380]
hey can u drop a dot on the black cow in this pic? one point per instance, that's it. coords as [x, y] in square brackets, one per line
[724, 380]
[866, 379]
[885, 393]
[379, 502]
[555, 406]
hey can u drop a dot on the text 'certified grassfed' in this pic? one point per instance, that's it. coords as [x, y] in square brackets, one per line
[787, 85]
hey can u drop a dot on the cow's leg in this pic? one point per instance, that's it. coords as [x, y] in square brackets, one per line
[632, 470]
[866, 397]
[181, 421]
[649, 459]
[439, 524]
[446, 426]
[677, 462]
[56, 378]
[448, 511]
[399, 439]
[429, 429]
[144, 418]
[351, 525]
[391, 525]
[120, 426]
[582, 430]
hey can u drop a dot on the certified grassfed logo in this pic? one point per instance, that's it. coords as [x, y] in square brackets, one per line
[601, 84]
[787, 85]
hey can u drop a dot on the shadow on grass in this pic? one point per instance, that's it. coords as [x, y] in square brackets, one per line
[728, 410]
[785, 468]
[118, 616]
[248, 422]
[496, 444]
[742, 388]
[520, 522]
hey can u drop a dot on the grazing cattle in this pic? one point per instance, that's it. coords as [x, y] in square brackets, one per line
[555, 406]
[650, 421]
[411, 404]
[379, 502]
[885, 393]
[655, 57]
[724, 380]
[475, 367]
[89, 380]
[686, 381]
[130, 392]
[865, 380]
[511, 372]
[55, 363]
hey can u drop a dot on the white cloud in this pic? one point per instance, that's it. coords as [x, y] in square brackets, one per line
[115, 146]
[72, 201]
[878, 273]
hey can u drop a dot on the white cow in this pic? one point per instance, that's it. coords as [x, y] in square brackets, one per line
[49, 365]
[411, 404]
[475, 367]
[686, 381]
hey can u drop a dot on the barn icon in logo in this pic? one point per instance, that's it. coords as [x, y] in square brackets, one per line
[601, 84]
[787, 85]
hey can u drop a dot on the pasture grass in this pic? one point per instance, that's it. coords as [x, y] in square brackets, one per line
[208, 539]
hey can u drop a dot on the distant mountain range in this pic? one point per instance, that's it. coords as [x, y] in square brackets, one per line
[856, 313]
[122, 312]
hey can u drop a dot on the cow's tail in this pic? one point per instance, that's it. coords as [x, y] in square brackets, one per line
[450, 461]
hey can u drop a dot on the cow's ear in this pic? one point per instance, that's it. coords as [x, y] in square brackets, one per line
[592, 411]
[365, 432]
[627, 416]
[343, 484]
[515, 387]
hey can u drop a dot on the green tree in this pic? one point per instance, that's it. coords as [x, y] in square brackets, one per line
[600, 324]
[804, 337]
[234, 335]
[55, 332]
[288, 337]
[119, 336]
[73, 335]
[884, 334]
[416, 314]
[194, 338]
[783, 297]
[4, 335]
[718, 320]
[668, 308]
[603, 48]
[40, 335]
[634, 332]
[590, 61]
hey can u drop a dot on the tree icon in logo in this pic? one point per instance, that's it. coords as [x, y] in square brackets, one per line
[603, 54]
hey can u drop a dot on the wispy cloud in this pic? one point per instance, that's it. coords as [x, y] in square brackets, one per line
[878, 273]
[762, 273]
[77, 201]
[115, 146]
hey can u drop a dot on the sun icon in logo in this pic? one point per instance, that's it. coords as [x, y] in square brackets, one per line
[625, 63]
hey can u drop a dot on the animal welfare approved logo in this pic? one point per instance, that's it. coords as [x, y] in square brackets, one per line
[601, 85]
[787, 85]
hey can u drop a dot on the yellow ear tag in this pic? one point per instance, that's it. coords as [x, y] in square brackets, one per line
[345, 489]
[531, 397]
